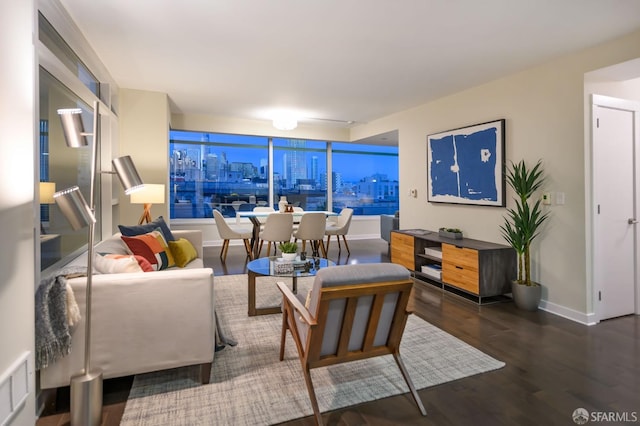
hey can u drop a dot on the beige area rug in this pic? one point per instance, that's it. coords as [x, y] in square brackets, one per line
[250, 386]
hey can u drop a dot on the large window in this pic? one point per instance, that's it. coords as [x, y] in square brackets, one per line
[365, 178]
[300, 172]
[233, 173]
[215, 171]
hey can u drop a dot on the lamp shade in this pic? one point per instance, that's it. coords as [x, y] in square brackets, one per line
[126, 171]
[74, 134]
[47, 189]
[74, 207]
[151, 194]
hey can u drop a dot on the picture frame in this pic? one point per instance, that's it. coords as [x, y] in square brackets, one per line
[466, 165]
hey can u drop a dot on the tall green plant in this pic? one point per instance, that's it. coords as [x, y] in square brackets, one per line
[522, 224]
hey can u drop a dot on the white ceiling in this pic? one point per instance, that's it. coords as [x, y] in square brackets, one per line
[351, 60]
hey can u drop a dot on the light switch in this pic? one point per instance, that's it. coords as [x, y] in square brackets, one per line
[546, 198]
[560, 198]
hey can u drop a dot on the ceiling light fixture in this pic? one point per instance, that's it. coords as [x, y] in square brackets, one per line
[285, 123]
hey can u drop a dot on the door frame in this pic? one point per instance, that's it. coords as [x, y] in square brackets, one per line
[626, 105]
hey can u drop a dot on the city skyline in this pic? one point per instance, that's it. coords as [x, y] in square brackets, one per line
[213, 171]
[254, 150]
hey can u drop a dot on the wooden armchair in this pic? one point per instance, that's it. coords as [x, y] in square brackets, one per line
[354, 312]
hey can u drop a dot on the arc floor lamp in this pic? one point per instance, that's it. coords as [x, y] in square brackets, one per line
[86, 386]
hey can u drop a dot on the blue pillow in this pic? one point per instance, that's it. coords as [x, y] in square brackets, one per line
[134, 230]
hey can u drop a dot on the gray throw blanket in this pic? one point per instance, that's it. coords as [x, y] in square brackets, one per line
[53, 336]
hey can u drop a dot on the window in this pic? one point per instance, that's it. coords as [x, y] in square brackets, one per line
[233, 173]
[216, 171]
[365, 178]
[300, 172]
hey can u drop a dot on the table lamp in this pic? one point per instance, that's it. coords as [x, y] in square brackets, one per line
[150, 194]
[47, 189]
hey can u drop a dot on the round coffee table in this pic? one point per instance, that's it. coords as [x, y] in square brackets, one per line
[267, 267]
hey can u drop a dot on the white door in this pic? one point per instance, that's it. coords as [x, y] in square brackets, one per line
[614, 213]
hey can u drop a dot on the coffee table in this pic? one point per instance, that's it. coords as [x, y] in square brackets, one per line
[265, 267]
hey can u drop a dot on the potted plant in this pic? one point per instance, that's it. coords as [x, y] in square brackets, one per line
[454, 233]
[521, 226]
[289, 250]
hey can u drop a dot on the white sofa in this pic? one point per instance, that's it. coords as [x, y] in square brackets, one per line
[143, 321]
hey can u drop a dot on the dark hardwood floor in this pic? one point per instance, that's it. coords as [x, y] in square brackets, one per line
[553, 365]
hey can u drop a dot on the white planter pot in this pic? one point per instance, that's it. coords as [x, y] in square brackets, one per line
[289, 256]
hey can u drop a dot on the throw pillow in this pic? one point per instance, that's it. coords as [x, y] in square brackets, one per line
[153, 247]
[142, 262]
[112, 245]
[115, 265]
[133, 230]
[183, 251]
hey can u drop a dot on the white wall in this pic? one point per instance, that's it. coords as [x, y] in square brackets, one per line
[627, 89]
[144, 135]
[544, 112]
[17, 139]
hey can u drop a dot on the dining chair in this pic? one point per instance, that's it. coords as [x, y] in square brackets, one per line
[311, 228]
[227, 234]
[340, 228]
[263, 209]
[354, 312]
[277, 229]
[296, 217]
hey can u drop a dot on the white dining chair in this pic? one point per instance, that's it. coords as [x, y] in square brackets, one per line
[312, 227]
[277, 229]
[340, 228]
[296, 217]
[263, 209]
[227, 234]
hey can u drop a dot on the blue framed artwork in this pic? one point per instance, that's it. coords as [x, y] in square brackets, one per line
[466, 165]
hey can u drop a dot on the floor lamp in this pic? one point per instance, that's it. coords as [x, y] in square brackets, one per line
[150, 194]
[86, 386]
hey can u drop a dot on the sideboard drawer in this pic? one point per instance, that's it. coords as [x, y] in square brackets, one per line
[461, 256]
[402, 250]
[465, 278]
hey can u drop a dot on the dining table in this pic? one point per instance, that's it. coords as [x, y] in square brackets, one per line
[255, 217]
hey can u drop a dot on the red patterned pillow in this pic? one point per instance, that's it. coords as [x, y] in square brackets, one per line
[142, 262]
[153, 247]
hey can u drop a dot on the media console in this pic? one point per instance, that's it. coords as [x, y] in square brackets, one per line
[472, 268]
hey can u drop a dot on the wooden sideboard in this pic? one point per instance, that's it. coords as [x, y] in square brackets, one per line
[475, 268]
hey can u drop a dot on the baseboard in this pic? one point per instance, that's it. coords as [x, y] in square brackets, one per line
[568, 313]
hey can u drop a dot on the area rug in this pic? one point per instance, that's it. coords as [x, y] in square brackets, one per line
[250, 386]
